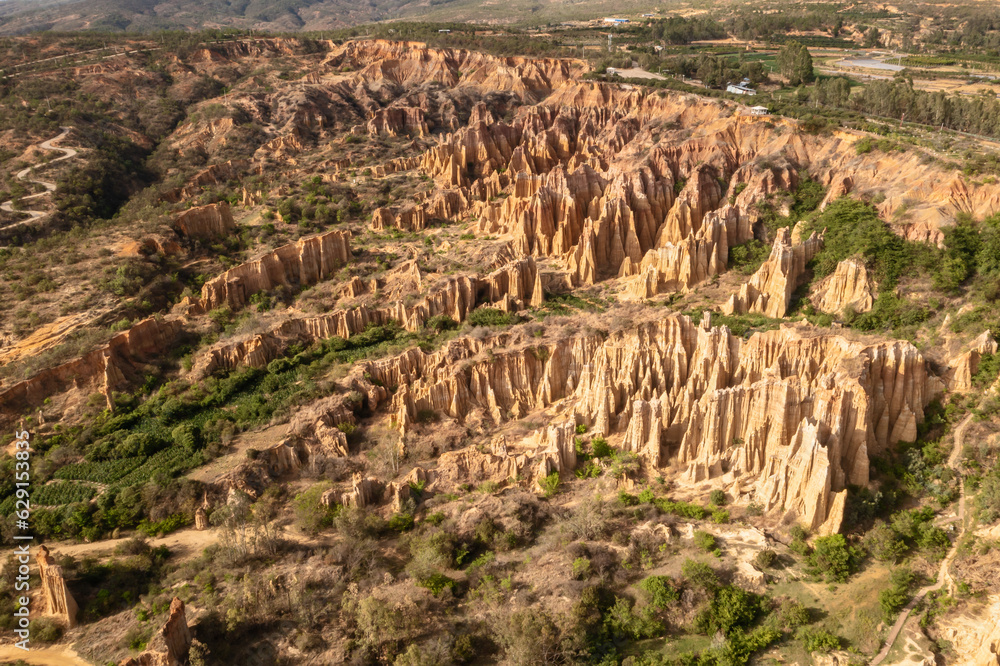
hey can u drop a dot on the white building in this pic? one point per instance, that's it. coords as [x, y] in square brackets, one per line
[758, 111]
[615, 21]
[741, 88]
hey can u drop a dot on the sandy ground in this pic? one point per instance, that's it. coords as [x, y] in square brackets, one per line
[59, 655]
[260, 439]
[183, 544]
[638, 73]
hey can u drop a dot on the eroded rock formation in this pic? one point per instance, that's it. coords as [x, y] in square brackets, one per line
[307, 261]
[848, 287]
[59, 601]
[206, 222]
[102, 369]
[964, 366]
[410, 218]
[215, 175]
[769, 290]
[787, 417]
[514, 286]
[170, 645]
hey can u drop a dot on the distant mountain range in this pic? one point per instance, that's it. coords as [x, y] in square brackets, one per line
[19, 16]
[22, 16]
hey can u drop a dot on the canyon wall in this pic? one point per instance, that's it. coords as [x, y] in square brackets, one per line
[205, 222]
[103, 369]
[515, 286]
[307, 261]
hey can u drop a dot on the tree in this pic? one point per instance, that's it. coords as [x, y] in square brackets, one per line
[872, 37]
[804, 66]
[988, 499]
[833, 558]
[884, 544]
[893, 598]
[529, 637]
[700, 575]
[795, 63]
[662, 593]
[731, 607]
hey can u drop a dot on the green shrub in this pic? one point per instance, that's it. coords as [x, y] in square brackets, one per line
[623, 621]
[682, 509]
[581, 568]
[401, 522]
[833, 559]
[747, 257]
[662, 593]
[186, 435]
[764, 559]
[487, 316]
[700, 575]
[310, 513]
[717, 497]
[600, 447]
[731, 607]
[988, 497]
[437, 582]
[45, 630]
[623, 463]
[707, 542]
[627, 499]
[169, 524]
[883, 543]
[435, 518]
[441, 323]
[817, 640]
[895, 597]
[741, 646]
[550, 484]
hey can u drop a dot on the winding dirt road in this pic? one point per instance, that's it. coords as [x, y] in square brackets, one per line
[50, 187]
[944, 576]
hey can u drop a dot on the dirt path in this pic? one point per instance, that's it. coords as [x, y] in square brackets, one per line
[58, 655]
[944, 576]
[183, 544]
[49, 186]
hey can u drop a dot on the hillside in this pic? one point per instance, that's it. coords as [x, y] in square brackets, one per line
[374, 351]
[21, 16]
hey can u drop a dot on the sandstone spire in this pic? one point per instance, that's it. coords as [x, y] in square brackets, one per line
[58, 599]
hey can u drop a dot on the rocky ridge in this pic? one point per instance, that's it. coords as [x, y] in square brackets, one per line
[787, 418]
[849, 286]
[307, 261]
